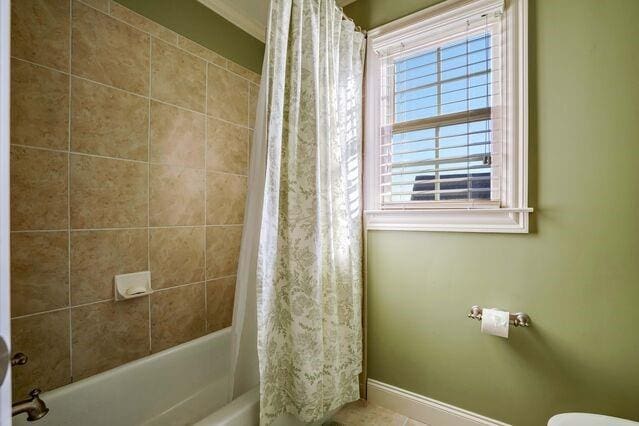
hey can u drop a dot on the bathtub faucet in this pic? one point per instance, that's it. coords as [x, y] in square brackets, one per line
[34, 407]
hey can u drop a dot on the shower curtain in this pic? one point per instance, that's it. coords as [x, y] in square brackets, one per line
[301, 249]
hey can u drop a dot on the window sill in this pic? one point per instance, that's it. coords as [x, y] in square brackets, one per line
[501, 220]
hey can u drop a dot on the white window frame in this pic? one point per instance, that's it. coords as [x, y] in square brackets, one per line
[512, 214]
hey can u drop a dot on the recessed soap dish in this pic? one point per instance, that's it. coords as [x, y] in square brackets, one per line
[130, 286]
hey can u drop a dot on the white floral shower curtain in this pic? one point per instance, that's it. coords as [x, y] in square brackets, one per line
[309, 258]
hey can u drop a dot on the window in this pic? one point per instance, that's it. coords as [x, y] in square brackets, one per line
[446, 133]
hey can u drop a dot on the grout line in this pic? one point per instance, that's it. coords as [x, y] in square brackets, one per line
[160, 290]
[134, 93]
[127, 159]
[206, 208]
[248, 145]
[41, 313]
[148, 190]
[69, 191]
[82, 305]
[27, 231]
[108, 86]
[95, 302]
[42, 66]
[125, 228]
[59, 151]
[222, 277]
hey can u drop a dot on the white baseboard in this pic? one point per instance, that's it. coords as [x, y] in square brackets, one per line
[423, 409]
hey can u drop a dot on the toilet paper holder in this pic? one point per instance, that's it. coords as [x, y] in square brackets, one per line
[517, 319]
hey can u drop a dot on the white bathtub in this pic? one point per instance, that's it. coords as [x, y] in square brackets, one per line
[179, 386]
[184, 385]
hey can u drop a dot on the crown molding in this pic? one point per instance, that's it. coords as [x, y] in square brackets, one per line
[227, 10]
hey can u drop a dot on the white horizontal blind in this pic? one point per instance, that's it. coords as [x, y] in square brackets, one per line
[441, 117]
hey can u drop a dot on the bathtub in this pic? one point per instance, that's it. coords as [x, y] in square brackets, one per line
[178, 386]
[184, 385]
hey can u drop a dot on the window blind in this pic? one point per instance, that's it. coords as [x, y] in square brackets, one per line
[441, 116]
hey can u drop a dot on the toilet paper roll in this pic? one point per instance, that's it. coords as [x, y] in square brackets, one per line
[495, 322]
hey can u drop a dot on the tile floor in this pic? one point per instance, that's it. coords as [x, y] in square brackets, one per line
[361, 413]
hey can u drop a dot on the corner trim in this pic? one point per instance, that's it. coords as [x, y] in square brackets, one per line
[5, 187]
[424, 409]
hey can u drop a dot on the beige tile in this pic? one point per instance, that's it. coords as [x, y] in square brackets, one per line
[39, 272]
[177, 196]
[225, 198]
[411, 422]
[177, 77]
[39, 193]
[142, 23]
[97, 256]
[227, 96]
[108, 193]
[109, 51]
[222, 250]
[177, 256]
[44, 338]
[254, 91]
[108, 334]
[220, 295]
[177, 136]
[201, 51]
[360, 413]
[226, 147]
[177, 316]
[244, 72]
[108, 122]
[39, 106]
[40, 32]
[102, 5]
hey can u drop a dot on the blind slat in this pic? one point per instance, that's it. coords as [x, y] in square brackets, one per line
[439, 149]
[483, 61]
[435, 192]
[486, 85]
[440, 180]
[436, 161]
[424, 171]
[410, 141]
[447, 59]
[450, 80]
[462, 117]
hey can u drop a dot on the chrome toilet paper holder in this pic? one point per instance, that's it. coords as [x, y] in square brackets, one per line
[517, 319]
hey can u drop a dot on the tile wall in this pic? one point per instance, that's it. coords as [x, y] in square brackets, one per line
[129, 153]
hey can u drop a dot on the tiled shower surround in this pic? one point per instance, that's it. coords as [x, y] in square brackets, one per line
[129, 153]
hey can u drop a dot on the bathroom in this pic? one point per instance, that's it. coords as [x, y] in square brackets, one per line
[323, 212]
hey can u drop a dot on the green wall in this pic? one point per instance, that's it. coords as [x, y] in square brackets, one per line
[576, 274]
[199, 23]
[373, 13]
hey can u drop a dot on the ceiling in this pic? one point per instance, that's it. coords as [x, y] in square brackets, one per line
[249, 15]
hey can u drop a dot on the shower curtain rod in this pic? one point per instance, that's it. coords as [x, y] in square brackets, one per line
[348, 18]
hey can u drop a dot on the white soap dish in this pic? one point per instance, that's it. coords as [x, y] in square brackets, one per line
[130, 286]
